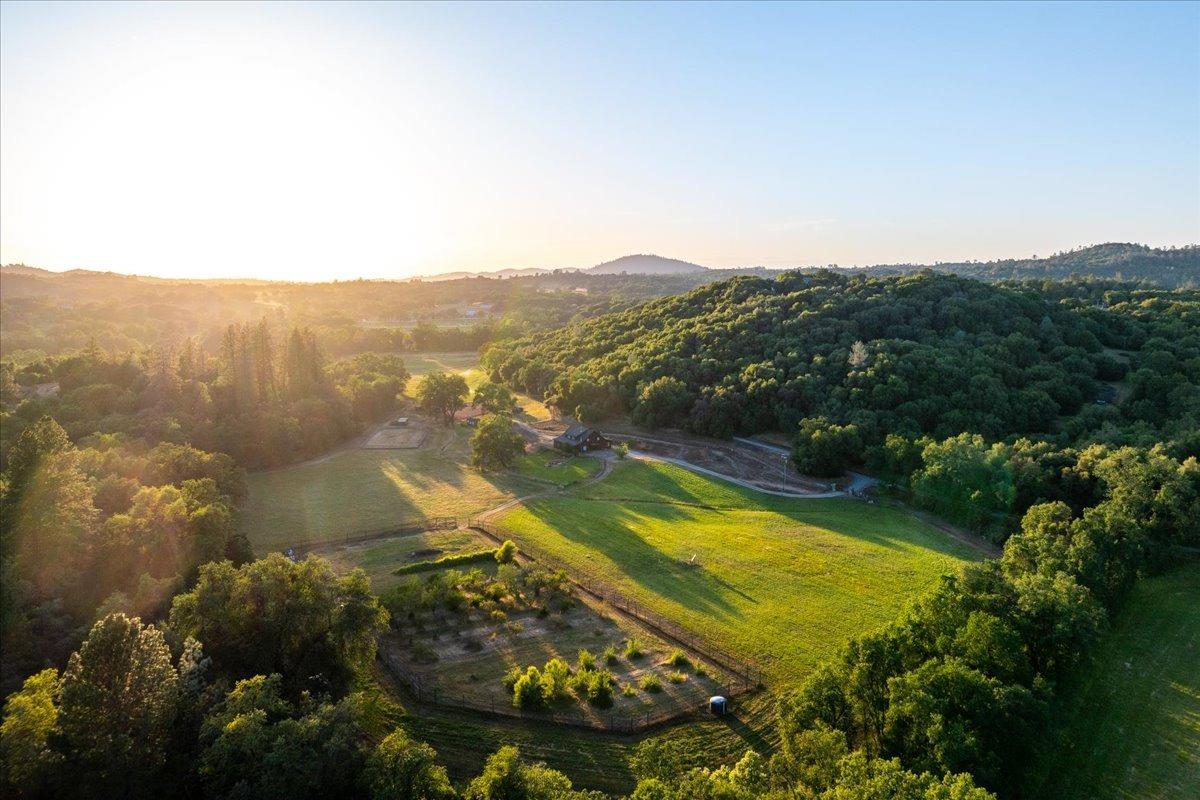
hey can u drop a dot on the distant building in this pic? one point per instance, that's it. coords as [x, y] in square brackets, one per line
[581, 439]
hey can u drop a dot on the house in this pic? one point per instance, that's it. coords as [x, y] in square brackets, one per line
[581, 439]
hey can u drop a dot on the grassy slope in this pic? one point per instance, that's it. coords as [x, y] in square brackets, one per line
[571, 470]
[1134, 731]
[363, 490]
[782, 581]
[380, 558]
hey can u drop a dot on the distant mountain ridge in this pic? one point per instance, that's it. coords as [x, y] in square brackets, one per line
[645, 264]
[1170, 267]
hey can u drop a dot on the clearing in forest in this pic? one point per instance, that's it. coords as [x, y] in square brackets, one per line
[1131, 722]
[782, 582]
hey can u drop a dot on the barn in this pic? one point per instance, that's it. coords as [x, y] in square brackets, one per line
[581, 439]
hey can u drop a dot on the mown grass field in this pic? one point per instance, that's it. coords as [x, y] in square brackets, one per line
[552, 466]
[783, 582]
[1131, 723]
[364, 490]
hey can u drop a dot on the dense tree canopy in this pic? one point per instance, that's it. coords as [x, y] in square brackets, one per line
[920, 354]
[298, 620]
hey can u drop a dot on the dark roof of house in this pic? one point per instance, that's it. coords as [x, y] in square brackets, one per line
[576, 434]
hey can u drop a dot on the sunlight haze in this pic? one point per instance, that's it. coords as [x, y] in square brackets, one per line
[315, 142]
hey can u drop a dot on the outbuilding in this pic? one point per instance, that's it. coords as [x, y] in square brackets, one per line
[717, 705]
[581, 439]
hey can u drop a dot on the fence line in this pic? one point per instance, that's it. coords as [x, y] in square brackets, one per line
[747, 673]
[407, 528]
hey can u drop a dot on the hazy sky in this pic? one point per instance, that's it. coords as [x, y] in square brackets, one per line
[324, 141]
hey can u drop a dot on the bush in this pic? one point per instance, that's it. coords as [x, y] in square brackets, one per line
[586, 661]
[556, 676]
[527, 691]
[633, 649]
[679, 660]
[629, 690]
[676, 677]
[610, 655]
[622, 450]
[511, 677]
[598, 687]
[445, 561]
[506, 552]
[651, 683]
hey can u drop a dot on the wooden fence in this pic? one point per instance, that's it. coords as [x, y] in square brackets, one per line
[606, 719]
[405, 528]
[747, 674]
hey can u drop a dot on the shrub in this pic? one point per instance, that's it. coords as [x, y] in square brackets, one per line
[633, 648]
[701, 670]
[676, 677]
[598, 687]
[511, 677]
[679, 660]
[586, 661]
[651, 683]
[610, 655]
[622, 450]
[527, 691]
[497, 615]
[628, 690]
[556, 677]
[444, 561]
[506, 552]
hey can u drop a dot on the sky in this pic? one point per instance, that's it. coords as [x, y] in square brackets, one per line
[335, 141]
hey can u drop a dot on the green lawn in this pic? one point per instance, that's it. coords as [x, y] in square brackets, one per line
[364, 490]
[783, 581]
[1131, 724]
[552, 466]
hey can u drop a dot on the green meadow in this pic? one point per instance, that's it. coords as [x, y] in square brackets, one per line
[1131, 721]
[783, 582]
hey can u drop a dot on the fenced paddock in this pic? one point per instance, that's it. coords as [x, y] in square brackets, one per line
[747, 675]
[614, 720]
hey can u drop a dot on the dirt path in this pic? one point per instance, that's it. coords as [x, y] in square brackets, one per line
[605, 471]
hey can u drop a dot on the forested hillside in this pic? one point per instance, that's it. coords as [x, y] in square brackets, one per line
[915, 354]
[1168, 267]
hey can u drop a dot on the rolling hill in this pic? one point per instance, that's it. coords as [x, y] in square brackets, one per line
[645, 265]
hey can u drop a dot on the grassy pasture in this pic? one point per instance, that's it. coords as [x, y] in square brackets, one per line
[380, 557]
[552, 466]
[1131, 723]
[364, 490]
[782, 581]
